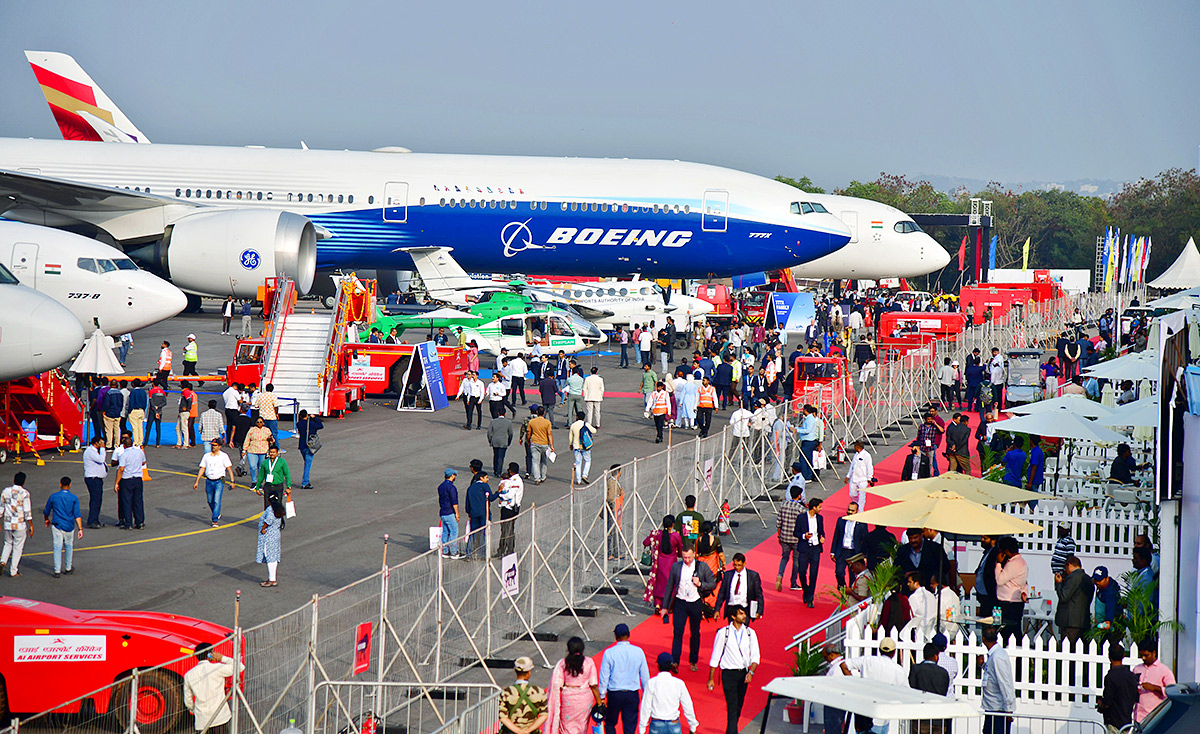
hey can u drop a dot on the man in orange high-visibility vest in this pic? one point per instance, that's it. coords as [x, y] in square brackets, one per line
[705, 407]
[660, 405]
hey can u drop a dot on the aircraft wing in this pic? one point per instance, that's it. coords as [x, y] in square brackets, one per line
[44, 193]
[591, 313]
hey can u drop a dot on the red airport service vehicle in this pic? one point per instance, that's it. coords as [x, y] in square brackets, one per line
[833, 388]
[1000, 298]
[363, 369]
[718, 295]
[39, 413]
[50, 655]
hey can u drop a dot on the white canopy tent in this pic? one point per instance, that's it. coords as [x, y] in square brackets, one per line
[1182, 299]
[1183, 273]
[873, 698]
[97, 357]
[1134, 366]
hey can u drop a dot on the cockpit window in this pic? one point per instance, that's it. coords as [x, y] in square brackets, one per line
[558, 327]
[819, 208]
[6, 277]
[124, 263]
[88, 264]
[106, 266]
[906, 227]
[808, 207]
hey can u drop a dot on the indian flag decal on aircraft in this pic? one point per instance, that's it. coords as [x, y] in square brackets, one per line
[876, 224]
[53, 269]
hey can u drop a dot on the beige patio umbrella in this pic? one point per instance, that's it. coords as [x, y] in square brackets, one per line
[966, 486]
[947, 512]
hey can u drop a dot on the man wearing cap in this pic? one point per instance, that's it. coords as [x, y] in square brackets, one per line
[796, 480]
[448, 510]
[849, 539]
[523, 706]
[1063, 547]
[835, 719]
[665, 696]
[860, 577]
[1108, 596]
[882, 667]
[191, 354]
[688, 583]
[623, 673]
[736, 654]
[948, 663]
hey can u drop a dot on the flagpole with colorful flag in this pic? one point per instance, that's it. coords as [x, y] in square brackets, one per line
[1025, 256]
[962, 253]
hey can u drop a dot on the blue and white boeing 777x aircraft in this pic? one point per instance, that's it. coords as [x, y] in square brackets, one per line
[218, 220]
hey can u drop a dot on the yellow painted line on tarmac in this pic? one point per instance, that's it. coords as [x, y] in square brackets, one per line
[152, 540]
[161, 537]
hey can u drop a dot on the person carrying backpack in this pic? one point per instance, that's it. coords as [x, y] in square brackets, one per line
[582, 439]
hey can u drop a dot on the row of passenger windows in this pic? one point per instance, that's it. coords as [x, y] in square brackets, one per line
[566, 206]
[609, 292]
[266, 196]
[94, 265]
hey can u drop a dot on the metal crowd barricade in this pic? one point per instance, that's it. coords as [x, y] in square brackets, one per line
[413, 707]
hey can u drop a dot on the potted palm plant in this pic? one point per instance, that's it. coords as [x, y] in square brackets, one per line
[807, 660]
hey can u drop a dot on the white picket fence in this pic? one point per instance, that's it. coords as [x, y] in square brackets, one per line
[1050, 679]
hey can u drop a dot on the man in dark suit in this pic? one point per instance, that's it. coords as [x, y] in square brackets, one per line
[810, 529]
[687, 584]
[849, 538]
[923, 556]
[916, 465]
[741, 587]
[930, 677]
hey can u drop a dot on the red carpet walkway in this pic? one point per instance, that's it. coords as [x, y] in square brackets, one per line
[785, 614]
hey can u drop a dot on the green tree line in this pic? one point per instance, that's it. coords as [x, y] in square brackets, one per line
[1062, 226]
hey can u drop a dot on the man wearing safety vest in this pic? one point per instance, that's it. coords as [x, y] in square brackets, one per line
[191, 354]
[705, 406]
[771, 373]
[660, 405]
[164, 366]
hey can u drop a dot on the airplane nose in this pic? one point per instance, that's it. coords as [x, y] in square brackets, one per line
[935, 255]
[55, 333]
[839, 233]
[150, 299]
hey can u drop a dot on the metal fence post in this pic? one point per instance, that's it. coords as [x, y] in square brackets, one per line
[311, 709]
[437, 640]
[487, 581]
[237, 657]
[383, 603]
[133, 698]
[533, 556]
[571, 543]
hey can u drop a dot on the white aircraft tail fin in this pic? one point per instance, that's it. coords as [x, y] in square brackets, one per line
[82, 110]
[440, 272]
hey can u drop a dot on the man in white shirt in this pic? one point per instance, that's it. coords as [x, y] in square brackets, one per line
[512, 491]
[231, 399]
[17, 514]
[129, 485]
[204, 689]
[996, 375]
[497, 395]
[834, 719]
[882, 667]
[593, 395]
[94, 471]
[947, 661]
[645, 340]
[739, 424]
[862, 470]
[735, 652]
[688, 582]
[923, 603]
[665, 695]
[214, 467]
[796, 480]
[517, 369]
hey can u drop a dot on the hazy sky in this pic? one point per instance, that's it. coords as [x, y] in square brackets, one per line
[1013, 91]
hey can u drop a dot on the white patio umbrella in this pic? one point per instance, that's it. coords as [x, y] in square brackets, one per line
[1135, 366]
[1138, 414]
[1077, 404]
[1060, 423]
[1108, 395]
[97, 357]
[1182, 299]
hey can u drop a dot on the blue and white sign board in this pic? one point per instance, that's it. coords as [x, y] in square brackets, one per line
[793, 311]
[423, 387]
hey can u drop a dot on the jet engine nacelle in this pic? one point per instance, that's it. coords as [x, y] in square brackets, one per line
[231, 252]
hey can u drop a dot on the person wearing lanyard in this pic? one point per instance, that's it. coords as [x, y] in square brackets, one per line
[735, 652]
[273, 474]
[623, 671]
[687, 584]
[214, 467]
[665, 696]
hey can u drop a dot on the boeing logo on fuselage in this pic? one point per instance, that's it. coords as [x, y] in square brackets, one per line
[635, 237]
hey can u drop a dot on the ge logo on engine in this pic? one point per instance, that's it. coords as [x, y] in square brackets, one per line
[251, 259]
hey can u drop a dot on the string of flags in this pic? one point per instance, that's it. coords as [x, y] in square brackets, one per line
[1124, 260]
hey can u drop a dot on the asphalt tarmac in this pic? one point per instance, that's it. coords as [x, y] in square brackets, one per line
[376, 474]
